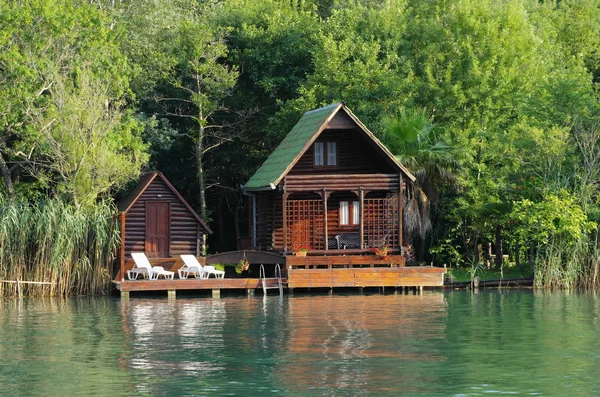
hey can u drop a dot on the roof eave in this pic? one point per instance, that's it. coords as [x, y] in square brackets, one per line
[337, 106]
[268, 188]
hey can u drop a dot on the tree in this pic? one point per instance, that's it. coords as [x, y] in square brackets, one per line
[46, 45]
[198, 84]
[87, 141]
[411, 136]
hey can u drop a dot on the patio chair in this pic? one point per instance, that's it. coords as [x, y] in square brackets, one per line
[142, 266]
[158, 271]
[191, 265]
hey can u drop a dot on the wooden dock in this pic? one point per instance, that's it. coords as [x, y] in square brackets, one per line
[348, 271]
[422, 276]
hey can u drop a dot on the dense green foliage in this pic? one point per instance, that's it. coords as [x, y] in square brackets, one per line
[90, 89]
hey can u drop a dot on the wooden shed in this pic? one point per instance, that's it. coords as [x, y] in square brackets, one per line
[157, 220]
[330, 185]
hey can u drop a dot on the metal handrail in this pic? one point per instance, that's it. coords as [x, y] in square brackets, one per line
[263, 278]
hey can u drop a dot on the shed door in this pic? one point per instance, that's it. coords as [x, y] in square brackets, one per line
[158, 229]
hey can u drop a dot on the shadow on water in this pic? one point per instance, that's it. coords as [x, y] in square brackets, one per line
[437, 343]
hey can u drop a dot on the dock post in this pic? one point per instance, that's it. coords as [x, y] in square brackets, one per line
[216, 294]
[250, 292]
[420, 290]
[172, 294]
[331, 291]
[124, 295]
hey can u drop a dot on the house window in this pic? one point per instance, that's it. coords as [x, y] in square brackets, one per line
[349, 213]
[325, 154]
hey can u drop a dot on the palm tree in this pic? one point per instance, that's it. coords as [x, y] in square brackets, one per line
[412, 136]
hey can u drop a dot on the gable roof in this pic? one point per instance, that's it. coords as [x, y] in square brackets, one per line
[145, 180]
[299, 139]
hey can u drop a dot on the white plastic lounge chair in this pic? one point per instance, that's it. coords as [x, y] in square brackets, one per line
[191, 265]
[142, 266]
[211, 270]
[158, 271]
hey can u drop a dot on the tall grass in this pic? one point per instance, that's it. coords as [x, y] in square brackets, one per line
[566, 265]
[54, 242]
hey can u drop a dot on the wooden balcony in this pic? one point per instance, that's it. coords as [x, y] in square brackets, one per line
[342, 182]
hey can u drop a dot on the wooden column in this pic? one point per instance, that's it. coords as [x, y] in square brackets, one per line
[361, 198]
[284, 215]
[122, 272]
[400, 197]
[325, 196]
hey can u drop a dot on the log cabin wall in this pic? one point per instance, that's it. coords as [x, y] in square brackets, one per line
[333, 214]
[352, 153]
[268, 220]
[185, 234]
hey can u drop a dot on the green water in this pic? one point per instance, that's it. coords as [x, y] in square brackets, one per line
[439, 343]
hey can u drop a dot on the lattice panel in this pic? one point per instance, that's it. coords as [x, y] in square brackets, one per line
[381, 222]
[305, 223]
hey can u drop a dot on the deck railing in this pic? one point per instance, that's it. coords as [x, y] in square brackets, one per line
[343, 261]
[301, 183]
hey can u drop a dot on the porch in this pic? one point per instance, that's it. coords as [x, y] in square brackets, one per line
[333, 214]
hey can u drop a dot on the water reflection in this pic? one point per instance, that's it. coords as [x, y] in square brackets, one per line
[453, 343]
[173, 340]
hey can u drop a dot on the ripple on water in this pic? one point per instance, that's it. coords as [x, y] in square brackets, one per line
[438, 343]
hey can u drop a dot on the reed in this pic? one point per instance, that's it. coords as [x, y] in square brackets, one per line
[565, 265]
[54, 242]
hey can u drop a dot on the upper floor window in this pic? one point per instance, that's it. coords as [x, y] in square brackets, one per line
[325, 153]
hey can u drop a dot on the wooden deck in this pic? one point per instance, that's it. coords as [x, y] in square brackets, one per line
[366, 277]
[192, 284]
[342, 261]
[315, 271]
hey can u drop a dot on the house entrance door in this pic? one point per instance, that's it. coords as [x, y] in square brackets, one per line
[158, 229]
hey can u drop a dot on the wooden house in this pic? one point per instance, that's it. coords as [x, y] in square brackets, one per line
[330, 185]
[156, 219]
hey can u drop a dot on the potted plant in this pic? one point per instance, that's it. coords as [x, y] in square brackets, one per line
[242, 265]
[302, 250]
[381, 252]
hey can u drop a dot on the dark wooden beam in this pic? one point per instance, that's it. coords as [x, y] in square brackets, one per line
[361, 198]
[284, 215]
[122, 270]
[400, 196]
[325, 196]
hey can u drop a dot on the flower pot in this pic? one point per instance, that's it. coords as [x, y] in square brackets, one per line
[301, 253]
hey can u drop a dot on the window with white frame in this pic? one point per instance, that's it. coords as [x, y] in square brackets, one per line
[349, 213]
[325, 154]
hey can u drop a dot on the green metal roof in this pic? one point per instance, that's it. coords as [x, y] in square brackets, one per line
[292, 146]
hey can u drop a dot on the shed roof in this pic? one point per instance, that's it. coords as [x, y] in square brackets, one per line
[145, 180]
[299, 139]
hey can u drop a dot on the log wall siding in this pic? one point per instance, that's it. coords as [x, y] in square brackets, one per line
[343, 182]
[268, 219]
[333, 214]
[185, 229]
[354, 156]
